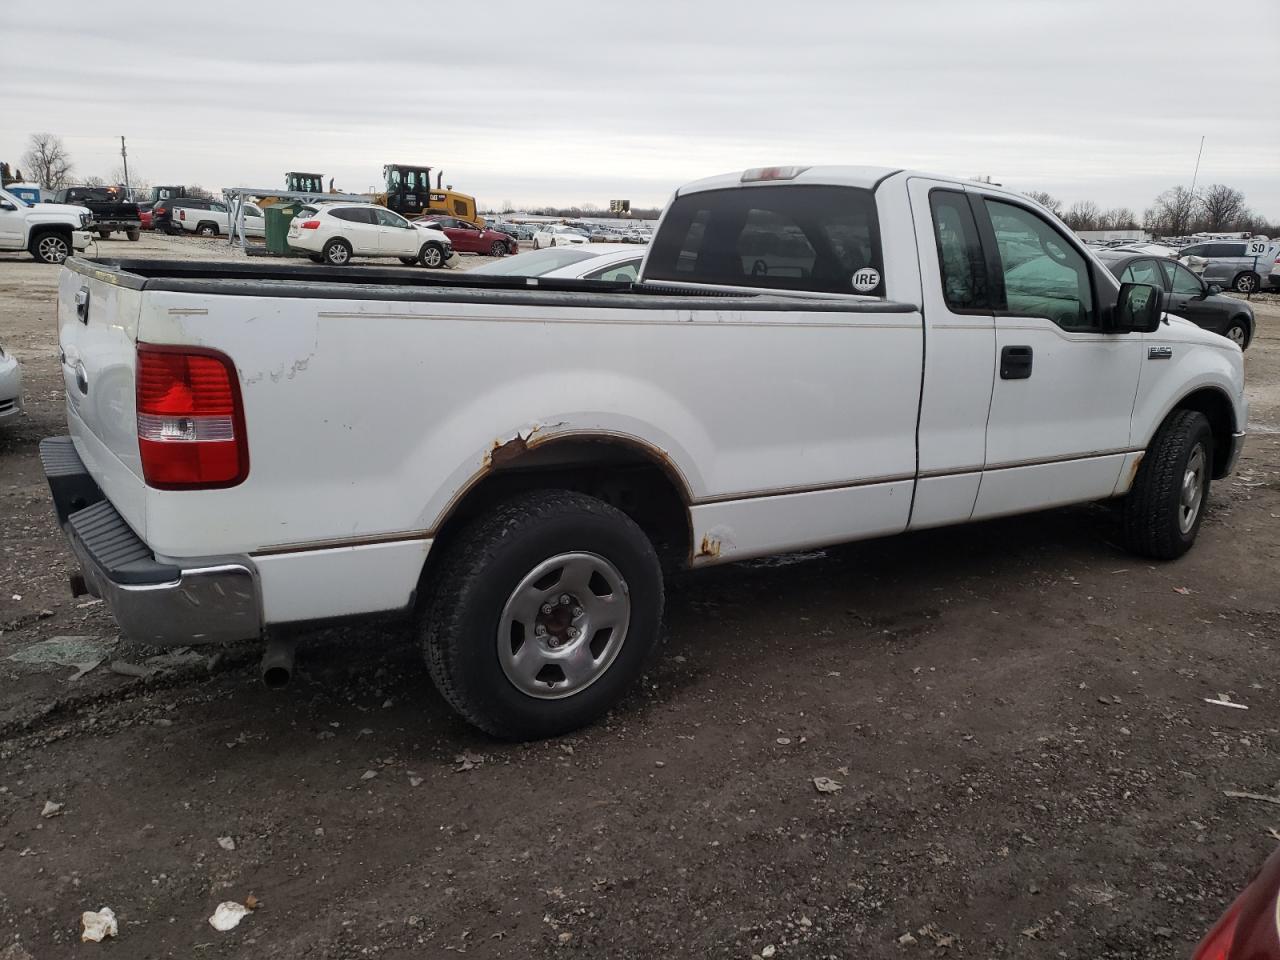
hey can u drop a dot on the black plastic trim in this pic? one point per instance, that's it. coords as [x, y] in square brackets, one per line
[70, 483]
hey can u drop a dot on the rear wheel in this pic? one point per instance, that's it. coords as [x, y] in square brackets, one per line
[104, 234]
[431, 255]
[1163, 511]
[134, 234]
[1246, 282]
[207, 229]
[50, 247]
[337, 252]
[1238, 333]
[315, 257]
[499, 249]
[543, 612]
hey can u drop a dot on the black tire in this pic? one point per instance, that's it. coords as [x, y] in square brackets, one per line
[337, 252]
[499, 249]
[134, 234]
[1152, 512]
[207, 229]
[1238, 332]
[431, 255]
[50, 246]
[481, 569]
[315, 257]
[408, 261]
[104, 234]
[1247, 282]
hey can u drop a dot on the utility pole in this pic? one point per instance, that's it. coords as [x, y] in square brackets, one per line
[124, 155]
[1196, 174]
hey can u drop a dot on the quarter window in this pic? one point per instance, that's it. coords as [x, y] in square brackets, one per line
[960, 260]
[1044, 275]
[794, 237]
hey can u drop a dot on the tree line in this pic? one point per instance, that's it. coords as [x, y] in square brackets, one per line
[1176, 212]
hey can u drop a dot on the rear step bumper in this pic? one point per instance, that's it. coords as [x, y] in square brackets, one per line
[164, 603]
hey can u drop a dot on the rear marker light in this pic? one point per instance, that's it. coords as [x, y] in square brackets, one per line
[756, 174]
[191, 431]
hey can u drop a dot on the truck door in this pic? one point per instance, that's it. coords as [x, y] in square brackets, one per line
[960, 345]
[13, 222]
[1063, 395]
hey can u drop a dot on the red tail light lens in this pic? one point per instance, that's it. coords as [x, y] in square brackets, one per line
[310, 225]
[182, 214]
[191, 431]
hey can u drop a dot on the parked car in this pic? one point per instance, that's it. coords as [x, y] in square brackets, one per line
[113, 211]
[10, 386]
[587, 261]
[1188, 296]
[468, 238]
[211, 218]
[514, 463]
[1240, 265]
[50, 231]
[557, 235]
[335, 232]
[144, 214]
[1250, 927]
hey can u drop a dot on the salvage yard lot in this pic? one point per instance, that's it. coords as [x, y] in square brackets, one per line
[1015, 713]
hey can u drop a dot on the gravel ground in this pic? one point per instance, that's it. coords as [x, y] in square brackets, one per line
[1014, 713]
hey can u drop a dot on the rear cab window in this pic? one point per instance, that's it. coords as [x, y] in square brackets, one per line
[823, 239]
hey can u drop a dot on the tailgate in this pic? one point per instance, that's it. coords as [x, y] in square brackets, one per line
[97, 334]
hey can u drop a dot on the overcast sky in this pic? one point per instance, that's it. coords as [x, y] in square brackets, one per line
[541, 101]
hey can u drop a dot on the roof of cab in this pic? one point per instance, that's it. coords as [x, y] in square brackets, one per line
[867, 178]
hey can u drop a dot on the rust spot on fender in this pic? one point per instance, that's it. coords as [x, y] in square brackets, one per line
[1133, 471]
[504, 451]
[709, 548]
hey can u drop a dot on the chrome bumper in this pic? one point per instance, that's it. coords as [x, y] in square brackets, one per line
[154, 601]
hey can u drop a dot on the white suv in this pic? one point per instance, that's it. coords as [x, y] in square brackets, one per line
[51, 231]
[335, 232]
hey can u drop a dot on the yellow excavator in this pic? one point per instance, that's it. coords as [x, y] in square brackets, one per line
[409, 193]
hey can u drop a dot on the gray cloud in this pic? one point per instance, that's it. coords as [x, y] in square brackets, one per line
[573, 101]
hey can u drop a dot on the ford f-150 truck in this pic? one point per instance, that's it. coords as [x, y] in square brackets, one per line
[811, 356]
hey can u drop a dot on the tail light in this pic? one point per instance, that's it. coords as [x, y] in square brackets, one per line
[182, 214]
[159, 211]
[191, 432]
[1217, 944]
[310, 224]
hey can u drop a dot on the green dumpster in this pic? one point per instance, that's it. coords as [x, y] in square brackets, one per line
[278, 216]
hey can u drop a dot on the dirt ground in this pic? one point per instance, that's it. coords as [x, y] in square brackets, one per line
[1015, 711]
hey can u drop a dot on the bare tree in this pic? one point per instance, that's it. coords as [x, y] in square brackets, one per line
[1118, 218]
[1173, 213]
[199, 192]
[94, 182]
[48, 160]
[1045, 200]
[1222, 207]
[1082, 215]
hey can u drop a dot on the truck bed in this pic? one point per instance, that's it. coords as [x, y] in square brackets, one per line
[310, 281]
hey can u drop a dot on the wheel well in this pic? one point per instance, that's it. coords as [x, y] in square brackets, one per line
[206, 223]
[626, 475]
[38, 231]
[1222, 420]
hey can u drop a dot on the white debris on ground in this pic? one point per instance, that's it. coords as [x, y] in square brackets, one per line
[98, 926]
[228, 915]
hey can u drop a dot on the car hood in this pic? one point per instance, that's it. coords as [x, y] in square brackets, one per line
[62, 209]
[434, 232]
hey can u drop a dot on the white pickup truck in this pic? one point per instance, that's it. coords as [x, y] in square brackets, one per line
[49, 231]
[811, 356]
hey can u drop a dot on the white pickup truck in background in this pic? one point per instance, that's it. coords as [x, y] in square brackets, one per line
[811, 356]
[212, 218]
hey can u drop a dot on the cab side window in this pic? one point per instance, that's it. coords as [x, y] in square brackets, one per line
[960, 261]
[626, 271]
[1183, 280]
[1142, 271]
[1044, 275]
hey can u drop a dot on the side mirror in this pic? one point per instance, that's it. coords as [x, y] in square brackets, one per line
[1138, 309]
[6, 205]
[1212, 290]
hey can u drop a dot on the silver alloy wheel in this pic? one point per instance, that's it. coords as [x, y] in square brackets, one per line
[563, 625]
[338, 254]
[1245, 283]
[53, 249]
[1236, 334]
[1192, 493]
[432, 257]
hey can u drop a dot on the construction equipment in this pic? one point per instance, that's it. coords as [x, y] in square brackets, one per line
[409, 193]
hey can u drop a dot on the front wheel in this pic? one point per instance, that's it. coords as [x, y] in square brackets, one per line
[104, 234]
[542, 613]
[431, 255]
[499, 249]
[50, 248]
[1238, 333]
[1164, 509]
[1245, 283]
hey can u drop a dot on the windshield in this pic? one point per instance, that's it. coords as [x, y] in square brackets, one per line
[535, 264]
[14, 199]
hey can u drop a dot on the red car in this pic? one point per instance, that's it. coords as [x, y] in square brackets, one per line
[144, 214]
[1250, 929]
[467, 238]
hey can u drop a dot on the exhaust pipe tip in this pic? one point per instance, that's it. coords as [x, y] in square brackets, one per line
[277, 664]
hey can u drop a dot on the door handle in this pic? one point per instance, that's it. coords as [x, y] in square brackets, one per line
[1015, 363]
